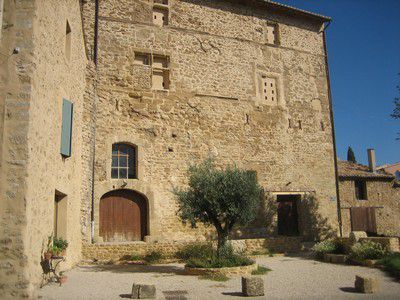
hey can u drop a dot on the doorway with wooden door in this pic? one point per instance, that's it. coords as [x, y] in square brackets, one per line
[363, 219]
[288, 224]
[123, 216]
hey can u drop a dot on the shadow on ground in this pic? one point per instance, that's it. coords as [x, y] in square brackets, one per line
[349, 289]
[164, 269]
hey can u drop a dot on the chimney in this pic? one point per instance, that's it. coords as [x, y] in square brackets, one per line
[371, 160]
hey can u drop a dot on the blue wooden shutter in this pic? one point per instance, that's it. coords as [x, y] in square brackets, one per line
[66, 128]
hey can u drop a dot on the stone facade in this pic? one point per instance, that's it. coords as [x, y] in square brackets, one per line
[382, 193]
[34, 80]
[213, 104]
[217, 53]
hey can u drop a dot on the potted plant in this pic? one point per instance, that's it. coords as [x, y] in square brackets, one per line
[49, 250]
[60, 246]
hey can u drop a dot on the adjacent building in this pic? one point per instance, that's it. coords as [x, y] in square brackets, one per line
[369, 198]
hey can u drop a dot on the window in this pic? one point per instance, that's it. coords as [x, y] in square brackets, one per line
[159, 69]
[361, 190]
[272, 34]
[68, 41]
[268, 89]
[60, 215]
[160, 16]
[124, 161]
[66, 128]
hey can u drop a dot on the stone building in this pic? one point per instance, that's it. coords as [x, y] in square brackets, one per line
[105, 103]
[369, 199]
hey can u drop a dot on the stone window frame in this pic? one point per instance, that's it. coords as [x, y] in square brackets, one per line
[138, 144]
[276, 33]
[279, 88]
[134, 152]
[149, 64]
[364, 190]
[162, 5]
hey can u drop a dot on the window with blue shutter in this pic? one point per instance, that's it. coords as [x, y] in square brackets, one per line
[66, 128]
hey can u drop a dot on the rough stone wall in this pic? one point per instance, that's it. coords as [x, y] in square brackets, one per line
[381, 194]
[36, 80]
[213, 106]
[15, 99]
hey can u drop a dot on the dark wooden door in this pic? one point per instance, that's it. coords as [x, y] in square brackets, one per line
[287, 216]
[363, 219]
[123, 216]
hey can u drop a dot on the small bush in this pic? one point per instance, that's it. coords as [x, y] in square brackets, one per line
[327, 246]
[153, 257]
[367, 250]
[260, 271]
[194, 251]
[391, 264]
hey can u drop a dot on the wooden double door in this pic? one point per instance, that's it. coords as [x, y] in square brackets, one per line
[363, 219]
[123, 216]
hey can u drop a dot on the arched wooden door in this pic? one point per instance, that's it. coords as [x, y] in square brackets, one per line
[123, 216]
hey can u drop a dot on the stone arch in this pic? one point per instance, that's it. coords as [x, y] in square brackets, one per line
[123, 216]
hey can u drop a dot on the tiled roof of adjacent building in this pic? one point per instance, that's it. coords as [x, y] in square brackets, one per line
[292, 9]
[353, 170]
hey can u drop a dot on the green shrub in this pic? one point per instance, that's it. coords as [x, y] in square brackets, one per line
[193, 251]
[391, 264]
[153, 257]
[367, 250]
[260, 271]
[225, 257]
[327, 246]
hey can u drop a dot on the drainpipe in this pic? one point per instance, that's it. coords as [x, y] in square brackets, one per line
[95, 46]
[339, 213]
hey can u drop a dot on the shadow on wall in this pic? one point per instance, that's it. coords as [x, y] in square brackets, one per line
[315, 226]
[264, 224]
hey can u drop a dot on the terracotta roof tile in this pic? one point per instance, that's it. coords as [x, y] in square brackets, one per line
[353, 170]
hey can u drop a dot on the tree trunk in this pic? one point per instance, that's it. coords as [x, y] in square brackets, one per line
[222, 238]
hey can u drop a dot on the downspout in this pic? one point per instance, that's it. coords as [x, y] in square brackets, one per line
[95, 46]
[339, 213]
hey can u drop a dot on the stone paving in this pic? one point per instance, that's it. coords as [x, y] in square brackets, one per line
[290, 278]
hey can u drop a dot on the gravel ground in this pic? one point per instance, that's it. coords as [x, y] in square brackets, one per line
[290, 278]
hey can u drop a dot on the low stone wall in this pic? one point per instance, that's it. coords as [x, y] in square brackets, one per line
[233, 271]
[117, 251]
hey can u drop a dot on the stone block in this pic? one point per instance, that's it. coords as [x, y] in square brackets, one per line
[143, 291]
[356, 235]
[366, 285]
[252, 286]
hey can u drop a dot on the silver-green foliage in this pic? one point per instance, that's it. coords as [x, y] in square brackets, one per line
[219, 197]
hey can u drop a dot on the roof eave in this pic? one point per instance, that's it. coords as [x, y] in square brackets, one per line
[298, 11]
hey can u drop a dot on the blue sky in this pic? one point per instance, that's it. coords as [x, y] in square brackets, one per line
[364, 60]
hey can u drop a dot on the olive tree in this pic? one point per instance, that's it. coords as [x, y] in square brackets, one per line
[219, 197]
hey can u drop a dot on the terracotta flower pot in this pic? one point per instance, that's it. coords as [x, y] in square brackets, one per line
[48, 255]
[62, 279]
[63, 253]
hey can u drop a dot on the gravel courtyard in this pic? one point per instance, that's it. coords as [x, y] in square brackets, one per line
[290, 278]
